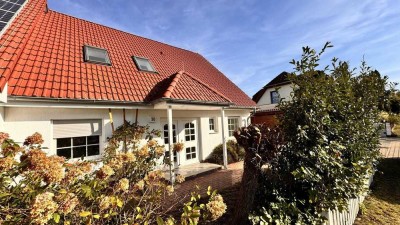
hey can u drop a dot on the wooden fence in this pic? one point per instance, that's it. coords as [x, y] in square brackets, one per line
[336, 217]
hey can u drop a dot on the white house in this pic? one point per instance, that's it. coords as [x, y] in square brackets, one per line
[68, 79]
[267, 98]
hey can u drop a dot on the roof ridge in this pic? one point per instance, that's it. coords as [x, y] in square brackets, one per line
[172, 85]
[176, 79]
[126, 32]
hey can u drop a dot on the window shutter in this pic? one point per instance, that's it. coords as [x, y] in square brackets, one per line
[76, 128]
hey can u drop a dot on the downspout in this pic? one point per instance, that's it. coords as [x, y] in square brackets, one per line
[124, 117]
[136, 116]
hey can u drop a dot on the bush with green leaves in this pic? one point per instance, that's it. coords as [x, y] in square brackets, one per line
[122, 188]
[331, 142]
[235, 153]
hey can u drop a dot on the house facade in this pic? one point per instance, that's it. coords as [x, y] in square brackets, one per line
[267, 99]
[75, 81]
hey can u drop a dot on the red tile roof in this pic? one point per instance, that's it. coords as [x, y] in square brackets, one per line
[185, 86]
[42, 56]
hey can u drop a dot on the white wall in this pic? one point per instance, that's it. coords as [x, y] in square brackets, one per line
[284, 92]
[1, 119]
[21, 122]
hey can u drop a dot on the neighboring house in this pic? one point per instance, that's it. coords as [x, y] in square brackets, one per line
[68, 79]
[278, 89]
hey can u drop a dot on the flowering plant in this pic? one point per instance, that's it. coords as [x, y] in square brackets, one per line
[123, 188]
[178, 147]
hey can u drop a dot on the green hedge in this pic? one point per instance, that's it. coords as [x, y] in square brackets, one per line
[235, 153]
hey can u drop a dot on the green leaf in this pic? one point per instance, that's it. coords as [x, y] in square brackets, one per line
[56, 217]
[160, 221]
[119, 203]
[85, 214]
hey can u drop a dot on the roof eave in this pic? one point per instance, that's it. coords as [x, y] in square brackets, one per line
[75, 101]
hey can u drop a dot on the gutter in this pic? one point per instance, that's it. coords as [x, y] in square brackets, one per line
[23, 101]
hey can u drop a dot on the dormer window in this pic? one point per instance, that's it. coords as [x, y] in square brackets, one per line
[143, 64]
[96, 55]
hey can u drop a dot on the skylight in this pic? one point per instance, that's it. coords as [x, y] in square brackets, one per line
[96, 55]
[143, 64]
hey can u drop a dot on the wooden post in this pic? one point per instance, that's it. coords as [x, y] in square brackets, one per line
[111, 120]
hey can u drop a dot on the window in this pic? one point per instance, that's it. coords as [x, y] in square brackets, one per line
[143, 64]
[275, 97]
[232, 125]
[191, 153]
[211, 123]
[96, 55]
[77, 138]
[166, 137]
[78, 147]
[190, 132]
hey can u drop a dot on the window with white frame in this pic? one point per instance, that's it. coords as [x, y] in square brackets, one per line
[190, 133]
[233, 124]
[166, 137]
[77, 138]
[211, 124]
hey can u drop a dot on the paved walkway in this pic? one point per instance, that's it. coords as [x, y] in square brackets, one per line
[217, 180]
[390, 147]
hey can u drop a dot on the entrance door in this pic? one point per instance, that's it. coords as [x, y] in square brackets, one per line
[185, 131]
[174, 140]
[189, 136]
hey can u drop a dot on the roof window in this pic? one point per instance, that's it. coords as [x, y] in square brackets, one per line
[96, 55]
[143, 64]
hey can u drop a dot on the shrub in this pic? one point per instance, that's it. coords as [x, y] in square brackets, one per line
[125, 189]
[235, 153]
[330, 143]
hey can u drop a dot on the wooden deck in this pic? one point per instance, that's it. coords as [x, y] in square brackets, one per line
[390, 147]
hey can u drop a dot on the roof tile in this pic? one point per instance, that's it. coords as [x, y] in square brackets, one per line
[46, 50]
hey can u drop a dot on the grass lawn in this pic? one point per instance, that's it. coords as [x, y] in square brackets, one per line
[382, 206]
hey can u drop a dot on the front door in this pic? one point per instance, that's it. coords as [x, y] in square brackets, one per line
[185, 131]
[189, 137]
[174, 140]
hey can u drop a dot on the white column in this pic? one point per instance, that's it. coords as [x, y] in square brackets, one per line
[224, 150]
[170, 141]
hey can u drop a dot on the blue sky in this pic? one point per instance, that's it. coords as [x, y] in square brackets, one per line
[251, 41]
